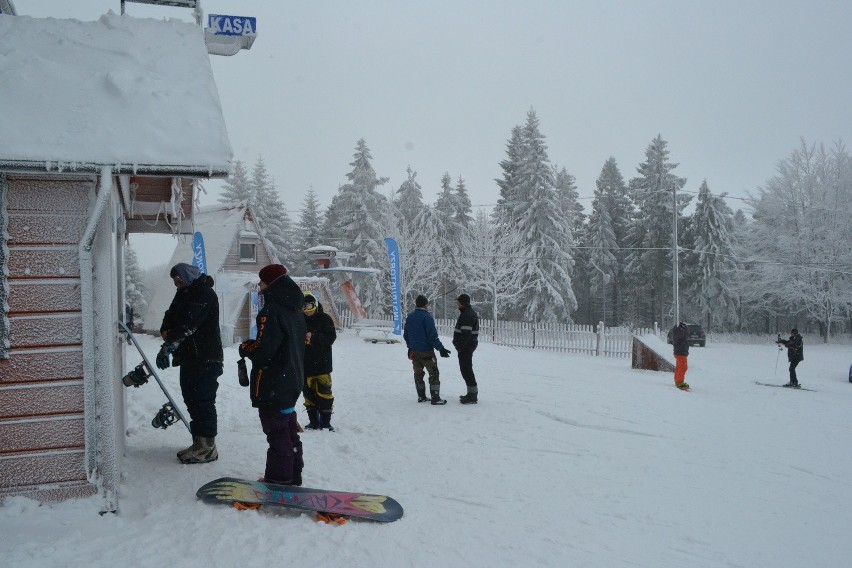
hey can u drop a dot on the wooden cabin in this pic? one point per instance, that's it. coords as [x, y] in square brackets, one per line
[106, 128]
[235, 251]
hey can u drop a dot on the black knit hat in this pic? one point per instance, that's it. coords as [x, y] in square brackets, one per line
[463, 299]
[421, 301]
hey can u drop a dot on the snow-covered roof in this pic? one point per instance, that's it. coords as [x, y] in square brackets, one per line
[125, 91]
[219, 225]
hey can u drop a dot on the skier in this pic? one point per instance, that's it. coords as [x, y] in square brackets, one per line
[277, 372]
[190, 330]
[320, 335]
[421, 338]
[680, 344]
[465, 340]
[795, 355]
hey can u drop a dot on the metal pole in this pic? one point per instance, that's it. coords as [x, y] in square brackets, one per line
[674, 255]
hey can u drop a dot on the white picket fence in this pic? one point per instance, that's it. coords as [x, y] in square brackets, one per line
[590, 339]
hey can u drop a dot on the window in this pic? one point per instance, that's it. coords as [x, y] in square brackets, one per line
[248, 252]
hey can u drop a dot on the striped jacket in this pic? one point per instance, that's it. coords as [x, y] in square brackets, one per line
[466, 334]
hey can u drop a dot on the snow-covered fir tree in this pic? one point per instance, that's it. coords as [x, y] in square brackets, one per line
[308, 232]
[409, 199]
[650, 238]
[238, 186]
[269, 213]
[714, 262]
[134, 282]
[357, 221]
[529, 202]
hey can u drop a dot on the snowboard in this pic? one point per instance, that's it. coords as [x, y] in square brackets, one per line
[147, 369]
[229, 490]
[782, 386]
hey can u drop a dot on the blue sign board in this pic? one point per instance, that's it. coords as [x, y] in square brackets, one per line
[232, 25]
[396, 283]
[199, 258]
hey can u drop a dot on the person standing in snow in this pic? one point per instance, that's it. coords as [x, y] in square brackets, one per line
[465, 340]
[680, 344]
[320, 335]
[277, 372]
[795, 355]
[190, 329]
[421, 338]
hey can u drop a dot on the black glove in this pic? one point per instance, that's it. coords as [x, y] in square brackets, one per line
[242, 373]
[444, 352]
[163, 356]
[243, 348]
[410, 355]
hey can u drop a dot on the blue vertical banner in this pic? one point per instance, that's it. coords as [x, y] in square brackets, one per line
[199, 260]
[396, 284]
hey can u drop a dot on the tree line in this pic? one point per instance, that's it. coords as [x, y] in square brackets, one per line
[538, 255]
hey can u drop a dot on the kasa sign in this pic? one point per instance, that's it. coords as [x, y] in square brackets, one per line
[232, 25]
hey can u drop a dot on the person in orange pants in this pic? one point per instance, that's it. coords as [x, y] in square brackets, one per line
[681, 351]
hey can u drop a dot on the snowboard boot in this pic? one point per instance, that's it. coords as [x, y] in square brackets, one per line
[436, 396]
[196, 443]
[314, 418]
[470, 397]
[205, 452]
[325, 421]
[421, 394]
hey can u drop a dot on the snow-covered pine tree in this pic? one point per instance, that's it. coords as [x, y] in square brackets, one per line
[509, 182]
[414, 231]
[711, 227]
[650, 261]
[545, 272]
[270, 214]
[447, 229]
[409, 199]
[308, 232]
[601, 256]
[357, 220]
[238, 186]
[134, 285]
[464, 207]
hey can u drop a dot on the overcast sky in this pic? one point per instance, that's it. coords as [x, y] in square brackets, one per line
[439, 84]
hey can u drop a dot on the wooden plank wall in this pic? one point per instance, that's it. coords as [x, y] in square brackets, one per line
[41, 384]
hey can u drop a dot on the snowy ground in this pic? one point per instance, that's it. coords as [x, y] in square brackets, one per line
[568, 460]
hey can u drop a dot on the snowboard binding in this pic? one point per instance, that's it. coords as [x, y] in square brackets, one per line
[165, 417]
[137, 377]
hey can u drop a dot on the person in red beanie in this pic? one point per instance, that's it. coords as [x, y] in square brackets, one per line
[277, 372]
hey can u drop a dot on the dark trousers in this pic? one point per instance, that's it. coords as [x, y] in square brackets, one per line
[793, 365]
[284, 461]
[466, 366]
[423, 361]
[198, 385]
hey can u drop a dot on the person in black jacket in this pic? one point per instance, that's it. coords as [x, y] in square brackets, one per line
[680, 344]
[320, 335]
[277, 367]
[795, 355]
[190, 330]
[465, 340]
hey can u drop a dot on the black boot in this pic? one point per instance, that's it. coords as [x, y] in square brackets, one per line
[436, 396]
[421, 394]
[325, 421]
[314, 419]
[470, 397]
